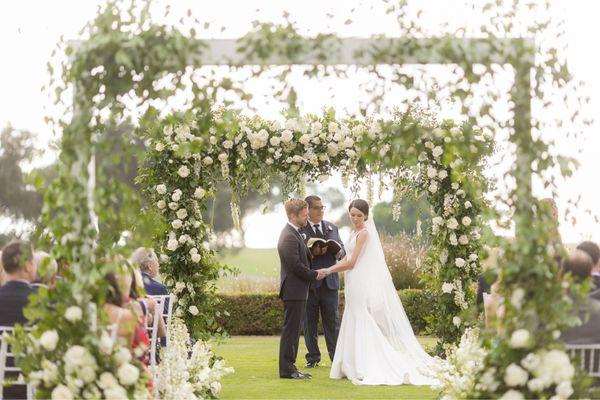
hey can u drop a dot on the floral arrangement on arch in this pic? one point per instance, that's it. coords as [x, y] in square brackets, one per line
[191, 152]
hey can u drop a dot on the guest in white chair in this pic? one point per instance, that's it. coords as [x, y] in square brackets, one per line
[147, 262]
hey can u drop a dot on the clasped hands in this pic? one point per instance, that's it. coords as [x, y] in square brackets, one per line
[322, 273]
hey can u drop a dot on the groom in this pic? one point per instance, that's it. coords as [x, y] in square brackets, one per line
[323, 295]
[296, 277]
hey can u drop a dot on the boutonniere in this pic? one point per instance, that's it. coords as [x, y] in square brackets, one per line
[303, 235]
[329, 228]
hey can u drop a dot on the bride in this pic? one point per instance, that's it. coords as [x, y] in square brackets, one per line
[376, 344]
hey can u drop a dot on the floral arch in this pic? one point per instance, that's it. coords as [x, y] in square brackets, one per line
[191, 152]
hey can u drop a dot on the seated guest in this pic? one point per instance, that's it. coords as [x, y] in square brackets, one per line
[593, 251]
[579, 265]
[115, 307]
[147, 305]
[20, 271]
[47, 269]
[147, 262]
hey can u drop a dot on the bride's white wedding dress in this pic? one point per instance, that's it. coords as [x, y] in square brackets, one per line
[376, 344]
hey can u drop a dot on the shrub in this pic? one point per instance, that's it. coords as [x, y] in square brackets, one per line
[262, 314]
[402, 255]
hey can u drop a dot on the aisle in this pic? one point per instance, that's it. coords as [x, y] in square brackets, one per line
[255, 361]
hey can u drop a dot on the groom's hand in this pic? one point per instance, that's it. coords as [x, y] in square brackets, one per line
[321, 274]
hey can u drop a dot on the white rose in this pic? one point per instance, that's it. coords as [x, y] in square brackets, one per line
[228, 144]
[512, 395]
[517, 297]
[193, 251]
[177, 224]
[468, 204]
[199, 193]
[431, 172]
[473, 257]
[193, 310]
[116, 392]
[536, 385]
[159, 146]
[207, 160]
[181, 213]
[275, 141]
[460, 193]
[61, 392]
[437, 151]
[173, 205]
[466, 221]
[564, 389]
[463, 239]
[196, 258]
[107, 380]
[429, 145]
[452, 223]
[122, 356]
[454, 186]
[161, 204]
[73, 313]
[433, 187]
[447, 287]
[172, 244]
[438, 132]
[453, 240]
[555, 366]
[222, 157]
[520, 339]
[531, 361]
[515, 375]
[176, 195]
[422, 157]
[128, 374]
[215, 388]
[87, 374]
[106, 343]
[75, 355]
[443, 174]
[332, 127]
[304, 139]
[49, 339]
[287, 136]
[183, 171]
[161, 189]
[437, 221]
[456, 321]
[459, 262]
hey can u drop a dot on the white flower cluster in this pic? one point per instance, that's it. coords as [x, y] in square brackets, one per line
[457, 374]
[538, 372]
[184, 376]
[78, 373]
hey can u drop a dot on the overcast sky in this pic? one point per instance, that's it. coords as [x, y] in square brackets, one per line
[29, 31]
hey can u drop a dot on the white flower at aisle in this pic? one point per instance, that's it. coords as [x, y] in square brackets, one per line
[186, 371]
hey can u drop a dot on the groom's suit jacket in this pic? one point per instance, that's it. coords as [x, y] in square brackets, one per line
[330, 231]
[296, 274]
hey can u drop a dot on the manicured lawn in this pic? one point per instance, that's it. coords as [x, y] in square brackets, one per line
[255, 361]
[252, 262]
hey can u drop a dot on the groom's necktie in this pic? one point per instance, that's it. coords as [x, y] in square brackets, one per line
[318, 230]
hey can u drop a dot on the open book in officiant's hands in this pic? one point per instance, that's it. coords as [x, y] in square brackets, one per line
[319, 247]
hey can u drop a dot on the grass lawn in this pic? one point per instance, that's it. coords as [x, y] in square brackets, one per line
[256, 375]
[252, 262]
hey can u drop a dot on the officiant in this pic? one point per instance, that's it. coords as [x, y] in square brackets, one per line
[323, 296]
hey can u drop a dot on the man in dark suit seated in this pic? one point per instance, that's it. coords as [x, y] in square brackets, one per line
[147, 261]
[20, 271]
[593, 251]
[579, 265]
[482, 287]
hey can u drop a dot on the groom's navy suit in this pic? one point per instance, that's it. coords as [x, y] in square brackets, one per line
[296, 277]
[323, 296]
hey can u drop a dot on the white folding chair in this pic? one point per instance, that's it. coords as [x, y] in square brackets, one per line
[588, 356]
[5, 355]
[166, 310]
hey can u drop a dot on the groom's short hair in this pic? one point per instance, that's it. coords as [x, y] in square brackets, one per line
[579, 264]
[294, 206]
[592, 249]
[312, 199]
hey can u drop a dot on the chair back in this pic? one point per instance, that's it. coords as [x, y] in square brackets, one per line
[588, 356]
[5, 355]
[163, 309]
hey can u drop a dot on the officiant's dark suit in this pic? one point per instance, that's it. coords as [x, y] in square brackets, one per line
[296, 277]
[323, 296]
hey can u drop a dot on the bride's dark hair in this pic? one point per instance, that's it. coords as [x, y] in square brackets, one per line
[361, 205]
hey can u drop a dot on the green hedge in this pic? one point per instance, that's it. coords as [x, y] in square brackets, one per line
[262, 314]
